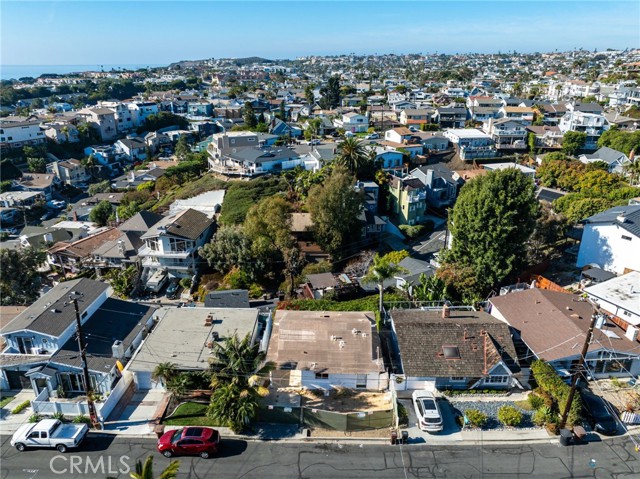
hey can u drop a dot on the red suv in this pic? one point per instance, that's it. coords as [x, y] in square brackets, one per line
[202, 441]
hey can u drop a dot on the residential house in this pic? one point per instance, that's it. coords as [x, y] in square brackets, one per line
[282, 128]
[353, 122]
[70, 172]
[401, 135]
[611, 240]
[451, 117]
[135, 178]
[440, 184]
[416, 117]
[103, 121]
[371, 192]
[507, 134]
[619, 298]
[37, 183]
[408, 199]
[316, 286]
[471, 143]
[529, 172]
[592, 124]
[140, 111]
[451, 348]
[522, 114]
[9, 215]
[16, 134]
[230, 298]
[432, 142]
[208, 203]
[301, 229]
[21, 199]
[482, 114]
[388, 157]
[106, 156]
[60, 132]
[122, 115]
[200, 108]
[399, 105]
[131, 149]
[616, 160]
[413, 269]
[172, 243]
[326, 350]
[549, 324]
[546, 137]
[73, 257]
[185, 337]
[622, 122]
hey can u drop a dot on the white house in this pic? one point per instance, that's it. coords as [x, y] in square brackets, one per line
[16, 134]
[620, 297]
[614, 158]
[611, 240]
[353, 122]
[140, 111]
[471, 143]
[592, 124]
[326, 350]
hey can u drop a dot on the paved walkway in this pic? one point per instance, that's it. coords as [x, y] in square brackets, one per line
[9, 422]
[136, 419]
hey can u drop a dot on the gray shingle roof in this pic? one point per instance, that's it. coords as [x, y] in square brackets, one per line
[53, 313]
[631, 215]
[422, 335]
[140, 222]
[233, 298]
[185, 224]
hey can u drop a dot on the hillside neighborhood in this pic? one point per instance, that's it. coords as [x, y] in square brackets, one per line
[307, 243]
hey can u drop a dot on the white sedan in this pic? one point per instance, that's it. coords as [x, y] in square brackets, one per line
[428, 411]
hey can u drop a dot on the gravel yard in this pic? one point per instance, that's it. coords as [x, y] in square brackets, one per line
[490, 408]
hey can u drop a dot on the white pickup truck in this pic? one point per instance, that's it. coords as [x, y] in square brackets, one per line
[49, 433]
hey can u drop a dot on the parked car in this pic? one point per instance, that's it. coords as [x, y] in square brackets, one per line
[172, 289]
[201, 441]
[49, 433]
[372, 136]
[428, 411]
[314, 142]
[598, 413]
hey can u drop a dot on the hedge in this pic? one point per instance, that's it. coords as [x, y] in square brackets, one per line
[21, 407]
[551, 383]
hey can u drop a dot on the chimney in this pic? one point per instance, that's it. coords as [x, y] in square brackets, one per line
[117, 350]
[121, 247]
[621, 218]
[446, 312]
[75, 216]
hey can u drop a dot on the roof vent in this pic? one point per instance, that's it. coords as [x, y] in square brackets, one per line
[621, 218]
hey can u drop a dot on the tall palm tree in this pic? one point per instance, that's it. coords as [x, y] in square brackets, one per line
[381, 270]
[145, 471]
[164, 372]
[632, 169]
[352, 154]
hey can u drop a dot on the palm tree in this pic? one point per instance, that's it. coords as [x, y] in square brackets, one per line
[238, 380]
[632, 169]
[164, 372]
[145, 471]
[381, 270]
[352, 154]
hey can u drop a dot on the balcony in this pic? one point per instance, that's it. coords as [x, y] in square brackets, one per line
[145, 251]
[510, 132]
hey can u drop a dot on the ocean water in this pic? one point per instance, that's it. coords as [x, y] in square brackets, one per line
[8, 72]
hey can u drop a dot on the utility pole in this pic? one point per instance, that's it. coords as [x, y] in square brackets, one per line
[85, 370]
[575, 373]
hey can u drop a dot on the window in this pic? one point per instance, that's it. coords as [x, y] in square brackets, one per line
[361, 381]
[496, 380]
[34, 435]
[322, 375]
[251, 139]
[153, 244]
[456, 379]
[177, 244]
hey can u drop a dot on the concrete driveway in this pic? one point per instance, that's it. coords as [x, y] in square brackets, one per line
[450, 433]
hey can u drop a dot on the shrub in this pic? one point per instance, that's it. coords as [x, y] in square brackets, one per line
[412, 231]
[543, 416]
[552, 384]
[59, 416]
[403, 416]
[82, 419]
[535, 401]
[255, 291]
[35, 417]
[185, 283]
[476, 418]
[21, 407]
[509, 416]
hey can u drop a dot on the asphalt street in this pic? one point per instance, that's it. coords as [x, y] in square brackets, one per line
[103, 457]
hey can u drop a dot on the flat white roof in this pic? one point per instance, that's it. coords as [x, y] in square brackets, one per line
[206, 203]
[467, 133]
[623, 292]
[182, 336]
[504, 166]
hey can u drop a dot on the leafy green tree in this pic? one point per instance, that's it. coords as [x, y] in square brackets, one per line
[577, 207]
[163, 119]
[490, 225]
[249, 115]
[20, 281]
[122, 280]
[5, 185]
[335, 206]
[145, 471]
[430, 288]
[182, 148]
[573, 142]
[37, 165]
[598, 183]
[550, 228]
[230, 247]
[330, 93]
[624, 141]
[380, 271]
[308, 95]
[102, 187]
[101, 213]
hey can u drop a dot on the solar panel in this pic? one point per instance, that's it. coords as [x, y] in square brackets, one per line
[451, 352]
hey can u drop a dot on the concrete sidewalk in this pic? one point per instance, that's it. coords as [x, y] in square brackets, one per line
[9, 422]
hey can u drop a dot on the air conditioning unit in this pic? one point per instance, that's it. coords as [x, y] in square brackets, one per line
[632, 333]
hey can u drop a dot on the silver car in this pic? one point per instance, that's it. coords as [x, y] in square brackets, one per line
[428, 411]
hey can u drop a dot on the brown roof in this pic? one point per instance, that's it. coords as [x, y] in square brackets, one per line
[423, 334]
[37, 180]
[309, 340]
[7, 313]
[554, 324]
[85, 246]
[403, 131]
[518, 109]
[301, 222]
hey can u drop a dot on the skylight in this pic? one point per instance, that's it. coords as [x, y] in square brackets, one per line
[451, 352]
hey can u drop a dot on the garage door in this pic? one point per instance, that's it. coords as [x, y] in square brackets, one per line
[17, 380]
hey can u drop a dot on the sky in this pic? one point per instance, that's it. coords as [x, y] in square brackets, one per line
[160, 32]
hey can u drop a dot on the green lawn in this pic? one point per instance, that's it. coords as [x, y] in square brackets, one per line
[191, 414]
[5, 400]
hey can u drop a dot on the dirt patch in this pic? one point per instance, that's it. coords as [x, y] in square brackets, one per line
[620, 394]
[344, 400]
[383, 433]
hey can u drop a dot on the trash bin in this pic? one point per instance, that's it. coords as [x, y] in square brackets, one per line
[579, 434]
[405, 437]
[565, 437]
[394, 438]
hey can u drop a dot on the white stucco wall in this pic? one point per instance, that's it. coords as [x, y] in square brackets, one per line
[602, 244]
